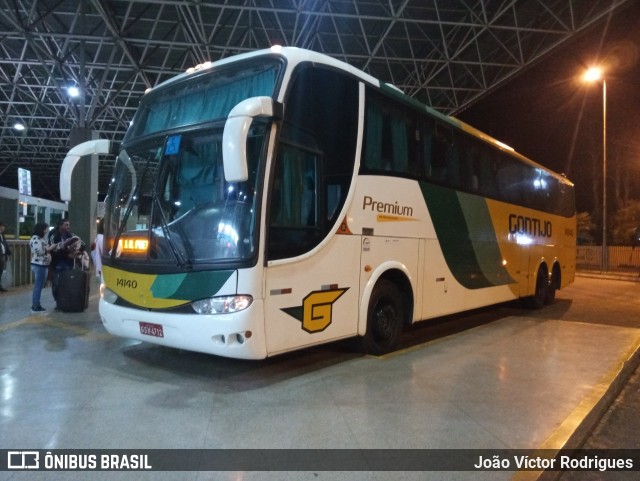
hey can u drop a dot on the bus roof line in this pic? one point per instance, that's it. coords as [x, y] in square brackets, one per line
[295, 55]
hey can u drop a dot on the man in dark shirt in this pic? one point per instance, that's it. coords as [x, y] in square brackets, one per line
[68, 247]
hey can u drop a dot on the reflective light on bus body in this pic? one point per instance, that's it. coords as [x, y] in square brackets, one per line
[505, 146]
[228, 231]
[107, 294]
[540, 184]
[200, 66]
[521, 239]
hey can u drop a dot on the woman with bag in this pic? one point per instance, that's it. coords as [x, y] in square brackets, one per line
[40, 259]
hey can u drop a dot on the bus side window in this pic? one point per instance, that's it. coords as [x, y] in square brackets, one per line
[543, 189]
[415, 149]
[453, 164]
[566, 200]
[373, 136]
[392, 143]
[399, 143]
[531, 186]
[427, 131]
[315, 159]
[480, 168]
[510, 180]
[295, 187]
[440, 152]
[471, 165]
[487, 172]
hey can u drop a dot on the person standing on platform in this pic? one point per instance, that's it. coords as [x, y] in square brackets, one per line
[97, 252]
[67, 248]
[5, 252]
[51, 234]
[40, 259]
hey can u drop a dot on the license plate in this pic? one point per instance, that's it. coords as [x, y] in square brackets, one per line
[150, 329]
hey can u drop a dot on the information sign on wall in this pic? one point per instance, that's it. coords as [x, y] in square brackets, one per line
[24, 181]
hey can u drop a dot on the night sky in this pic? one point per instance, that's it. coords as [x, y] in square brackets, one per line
[550, 115]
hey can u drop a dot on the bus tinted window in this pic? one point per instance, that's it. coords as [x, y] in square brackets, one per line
[400, 140]
[314, 164]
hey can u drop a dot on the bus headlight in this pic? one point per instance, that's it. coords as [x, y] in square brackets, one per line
[222, 305]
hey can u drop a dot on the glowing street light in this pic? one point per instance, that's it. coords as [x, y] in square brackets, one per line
[595, 74]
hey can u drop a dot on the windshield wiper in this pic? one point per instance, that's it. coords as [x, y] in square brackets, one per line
[166, 231]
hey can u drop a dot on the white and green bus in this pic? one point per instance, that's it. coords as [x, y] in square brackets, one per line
[282, 199]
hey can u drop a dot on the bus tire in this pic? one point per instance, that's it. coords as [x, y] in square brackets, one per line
[550, 296]
[537, 300]
[385, 319]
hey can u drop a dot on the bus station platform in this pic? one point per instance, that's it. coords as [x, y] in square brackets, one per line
[509, 380]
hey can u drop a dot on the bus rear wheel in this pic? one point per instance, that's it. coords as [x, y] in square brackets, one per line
[385, 319]
[537, 300]
[554, 283]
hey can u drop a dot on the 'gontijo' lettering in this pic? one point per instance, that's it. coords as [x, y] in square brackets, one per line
[386, 207]
[519, 224]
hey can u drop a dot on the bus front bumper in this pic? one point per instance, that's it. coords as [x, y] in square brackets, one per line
[237, 335]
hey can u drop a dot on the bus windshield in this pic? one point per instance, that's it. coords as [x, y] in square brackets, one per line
[169, 203]
[204, 97]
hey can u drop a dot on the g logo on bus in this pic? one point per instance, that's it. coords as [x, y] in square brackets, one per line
[316, 312]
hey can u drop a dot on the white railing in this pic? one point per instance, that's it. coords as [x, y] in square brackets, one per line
[620, 258]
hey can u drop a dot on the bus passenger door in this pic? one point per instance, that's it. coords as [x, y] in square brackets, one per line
[312, 275]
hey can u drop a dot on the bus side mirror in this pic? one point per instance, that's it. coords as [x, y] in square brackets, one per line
[635, 240]
[236, 133]
[90, 147]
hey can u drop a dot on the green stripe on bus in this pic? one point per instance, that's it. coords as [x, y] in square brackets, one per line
[190, 286]
[470, 250]
[483, 239]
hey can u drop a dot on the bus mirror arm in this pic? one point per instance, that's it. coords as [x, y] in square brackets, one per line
[236, 133]
[90, 147]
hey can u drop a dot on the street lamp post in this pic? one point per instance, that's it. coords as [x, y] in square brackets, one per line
[592, 75]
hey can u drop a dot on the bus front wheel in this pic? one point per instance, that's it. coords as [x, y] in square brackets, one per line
[385, 318]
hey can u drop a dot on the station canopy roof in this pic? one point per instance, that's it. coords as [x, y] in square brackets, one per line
[445, 53]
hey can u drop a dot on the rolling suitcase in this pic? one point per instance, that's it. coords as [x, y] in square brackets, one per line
[73, 290]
